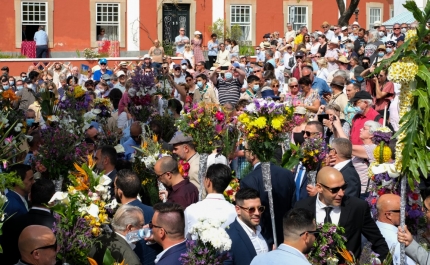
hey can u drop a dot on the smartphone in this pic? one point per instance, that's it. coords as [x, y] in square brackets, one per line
[224, 67]
[322, 117]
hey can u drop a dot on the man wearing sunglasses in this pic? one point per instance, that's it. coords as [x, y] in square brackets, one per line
[388, 206]
[245, 231]
[300, 232]
[102, 71]
[331, 205]
[37, 245]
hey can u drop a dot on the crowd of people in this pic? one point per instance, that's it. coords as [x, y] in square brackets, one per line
[328, 76]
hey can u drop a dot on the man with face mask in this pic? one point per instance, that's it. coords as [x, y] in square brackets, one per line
[229, 88]
[127, 186]
[299, 229]
[363, 102]
[382, 34]
[27, 94]
[261, 56]
[253, 88]
[205, 91]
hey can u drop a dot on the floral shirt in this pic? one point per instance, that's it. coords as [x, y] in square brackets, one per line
[309, 101]
[349, 112]
[293, 99]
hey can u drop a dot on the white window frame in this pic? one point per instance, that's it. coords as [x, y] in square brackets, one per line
[242, 23]
[35, 22]
[107, 14]
[121, 17]
[292, 17]
[372, 17]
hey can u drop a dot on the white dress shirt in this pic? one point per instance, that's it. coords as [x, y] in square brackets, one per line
[320, 212]
[214, 205]
[389, 232]
[341, 165]
[257, 239]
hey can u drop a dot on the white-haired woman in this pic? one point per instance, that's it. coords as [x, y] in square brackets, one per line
[322, 71]
[293, 95]
[371, 49]
[363, 154]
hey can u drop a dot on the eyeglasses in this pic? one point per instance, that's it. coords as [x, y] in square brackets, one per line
[299, 57]
[159, 176]
[294, 86]
[396, 28]
[308, 134]
[324, 27]
[177, 69]
[275, 86]
[336, 189]
[151, 226]
[394, 211]
[252, 210]
[310, 232]
[53, 246]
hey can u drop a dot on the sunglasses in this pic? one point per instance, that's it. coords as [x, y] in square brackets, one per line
[177, 69]
[151, 225]
[394, 211]
[102, 64]
[294, 86]
[396, 28]
[299, 57]
[53, 246]
[275, 86]
[252, 210]
[336, 189]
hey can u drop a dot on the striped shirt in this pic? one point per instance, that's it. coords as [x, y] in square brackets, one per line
[228, 92]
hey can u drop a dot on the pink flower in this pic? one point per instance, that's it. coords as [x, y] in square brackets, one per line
[219, 116]
[218, 128]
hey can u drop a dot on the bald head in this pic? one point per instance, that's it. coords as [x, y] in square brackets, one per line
[330, 186]
[388, 207]
[328, 175]
[31, 245]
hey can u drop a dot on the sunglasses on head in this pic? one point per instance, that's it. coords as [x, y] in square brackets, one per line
[336, 189]
[252, 210]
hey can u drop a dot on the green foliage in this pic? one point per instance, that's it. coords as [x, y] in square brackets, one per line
[218, 28]
[9, 180]
[11, 55]
[107, 258]
[168, 47]
[246, 50]
[290, 159]
[235, 33]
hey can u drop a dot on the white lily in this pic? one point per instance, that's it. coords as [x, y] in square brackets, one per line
[104, 180]
[93, 210]
[389, 168]
[60, 196]
[101, 189]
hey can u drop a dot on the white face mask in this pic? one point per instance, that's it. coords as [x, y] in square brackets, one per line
[184, 67]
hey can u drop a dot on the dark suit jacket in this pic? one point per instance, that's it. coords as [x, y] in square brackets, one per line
[15, 206]
[355, 218]
[13, 228]
[171, 256]
[112, 176]
[146, 253]
[351, 177]
[242, 251]
[118, 247]
[283, 190]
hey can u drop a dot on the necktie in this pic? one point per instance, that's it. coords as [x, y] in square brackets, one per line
[298, 182]
[327, 218]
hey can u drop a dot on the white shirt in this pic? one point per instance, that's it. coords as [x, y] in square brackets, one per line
[257, 239]
[389, 232]
[340, 165]
[277, 55]
[320, 212]
[287, 57]
[164, 251]
[329, 35]
[41, 209]
[213, 205]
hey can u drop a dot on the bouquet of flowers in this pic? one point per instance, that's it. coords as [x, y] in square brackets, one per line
[265, 124]
[141, 107]
[59, 151]
[211, 245]
[7, 98]
[231, 190]
[313, 152]
[102, 108]
[328, 244]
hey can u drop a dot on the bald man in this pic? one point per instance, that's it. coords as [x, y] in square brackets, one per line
[331, 205]
[37, 245]
[388, 207]
[135, 139]
[81, 78]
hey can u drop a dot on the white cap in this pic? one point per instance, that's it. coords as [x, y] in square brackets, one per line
[344, 28]
[319, 33]
[120, 73]
[377, 23]
[197, 32]
[344, 39]
[355, 23]
[335, 40]
[146, 56]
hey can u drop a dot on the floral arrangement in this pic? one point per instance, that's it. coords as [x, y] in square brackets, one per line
[328, 243]
[102, 107]
[184, 168]
[265, 124]
[7, 98]
[141, 107]
[81, 212]
[211, 244]
[311, 154]
[231, 190]
[60, 150]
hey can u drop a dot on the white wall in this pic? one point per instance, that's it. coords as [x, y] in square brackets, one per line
[133, 25]
[398, 6]
[217, 10]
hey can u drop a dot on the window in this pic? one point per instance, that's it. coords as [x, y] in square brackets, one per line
[374, 15]
[241, 16]
[298, 16]
[107, 21]
[33, 15]
[391, 11]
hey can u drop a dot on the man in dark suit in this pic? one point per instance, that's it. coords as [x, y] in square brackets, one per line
[168, 230]
[127, 186]
[106, 158]
[341, 154]
[41, 192]
[17, 197]
[283, 190]
[126, 219]
[332, 206]
[246, 225]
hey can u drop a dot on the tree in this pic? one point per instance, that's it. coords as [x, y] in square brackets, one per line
[346, 14]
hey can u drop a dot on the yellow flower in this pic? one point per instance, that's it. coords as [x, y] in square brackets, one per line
[250, 135]
[192, 125]
[403, 71]
[277, 122]
[260, 122]
[386, 154]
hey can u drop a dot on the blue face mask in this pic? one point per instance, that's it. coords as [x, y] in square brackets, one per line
[108, 82]
[389, 50]
[255, 88]
[170, 112]
[6, 87]
[19, 87]
[228, 76]
[358, 110]
[200, 84]
[29, 122]
[381, 54]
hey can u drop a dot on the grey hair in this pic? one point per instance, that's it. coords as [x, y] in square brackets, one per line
[368, 101]
[341, 73]
[269, 52]
[350, 46]
[373, 35]
[62, 78]
[302, 28]
[373, 126]
[291, 80]
[126, 215]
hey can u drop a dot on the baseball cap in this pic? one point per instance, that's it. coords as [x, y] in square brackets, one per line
[120, 73]
[180, 137]
[106, 77]
[103, 60]
[146, 56]
[361, 95]
[267, 35]
[300, 53]
[358, 70]
[123, 63]
[176, 66]
[237, 65]
[344, 28]
[183, 61]
[377, 23]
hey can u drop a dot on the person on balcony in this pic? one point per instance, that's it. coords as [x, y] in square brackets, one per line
[41, 39]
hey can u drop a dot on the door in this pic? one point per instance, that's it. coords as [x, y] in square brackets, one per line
[175, 16]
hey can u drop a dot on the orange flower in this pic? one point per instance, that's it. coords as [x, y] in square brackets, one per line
[10, 95]
[346, 255]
